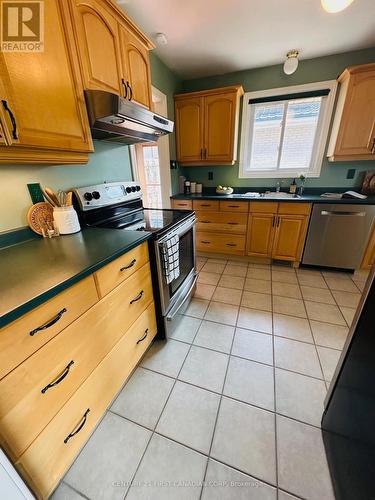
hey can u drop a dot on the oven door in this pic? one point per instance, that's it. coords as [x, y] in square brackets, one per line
[172, 293]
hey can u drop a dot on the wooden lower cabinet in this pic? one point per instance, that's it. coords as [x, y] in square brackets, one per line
[50, 455]
[260, 235]
[220, 243]
[217, 221]
[290, 235]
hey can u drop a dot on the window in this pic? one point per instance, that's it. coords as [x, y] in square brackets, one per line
[152, 183]
[284, 131]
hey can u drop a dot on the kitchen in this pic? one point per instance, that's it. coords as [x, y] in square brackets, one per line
[194, 348]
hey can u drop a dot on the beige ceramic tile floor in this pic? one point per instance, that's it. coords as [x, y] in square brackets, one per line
[234, 398]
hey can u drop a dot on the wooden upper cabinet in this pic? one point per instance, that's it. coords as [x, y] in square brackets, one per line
[219, 118]
[136, 67]
[207, 126]
[189, 129]
[98, 43]
[353, 131]
[42, 102]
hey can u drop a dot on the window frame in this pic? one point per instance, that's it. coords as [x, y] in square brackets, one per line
[320, 141]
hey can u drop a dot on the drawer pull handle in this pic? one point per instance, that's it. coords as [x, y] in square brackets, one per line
[144, 336]
[59, 378]
[129, 265]
[233, 206]
[79, 428]
[49, 323]
[205, 205]
[233, 223]
[12, 119]
[138, 297]
[205, 222]
[231, 245]
[205, 242]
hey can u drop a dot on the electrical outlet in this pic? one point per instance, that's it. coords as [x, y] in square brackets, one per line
[210, 176]
[36, 193]
[350, 174]
[173, 165]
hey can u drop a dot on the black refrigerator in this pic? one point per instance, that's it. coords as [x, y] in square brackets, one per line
[348, 421]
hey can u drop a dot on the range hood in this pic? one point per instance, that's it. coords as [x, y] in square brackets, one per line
[114, 118]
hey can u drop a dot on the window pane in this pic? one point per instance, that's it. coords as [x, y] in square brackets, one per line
[300, 128]
[266, 135]
[152, 176]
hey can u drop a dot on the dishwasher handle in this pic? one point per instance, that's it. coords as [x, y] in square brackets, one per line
[342, 213]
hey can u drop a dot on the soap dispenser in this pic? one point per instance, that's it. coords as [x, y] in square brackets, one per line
[293, 187]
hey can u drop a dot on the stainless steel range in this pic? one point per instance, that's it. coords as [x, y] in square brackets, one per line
[118, 205]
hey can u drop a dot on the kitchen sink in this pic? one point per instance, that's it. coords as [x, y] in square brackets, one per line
[272, 194]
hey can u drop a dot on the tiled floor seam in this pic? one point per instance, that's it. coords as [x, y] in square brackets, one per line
[274, 397]
[75, 490]
[153, 432]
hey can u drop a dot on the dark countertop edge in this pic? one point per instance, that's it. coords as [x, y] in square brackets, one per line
[48, 294]
[308, 198]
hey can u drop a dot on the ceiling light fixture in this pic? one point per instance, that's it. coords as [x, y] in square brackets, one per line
[161, 39]
[291, 63]
[333, 6]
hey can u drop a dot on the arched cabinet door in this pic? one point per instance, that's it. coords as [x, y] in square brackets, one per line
[136, 67]
[97, 38]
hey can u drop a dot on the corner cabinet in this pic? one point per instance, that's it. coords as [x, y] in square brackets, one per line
[207, 126]
[43, 117]
[353, 131]
[113, 53]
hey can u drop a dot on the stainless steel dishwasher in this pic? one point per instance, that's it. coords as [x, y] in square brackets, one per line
[338, 235]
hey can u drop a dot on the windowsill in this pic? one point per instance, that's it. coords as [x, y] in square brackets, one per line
[276, 174]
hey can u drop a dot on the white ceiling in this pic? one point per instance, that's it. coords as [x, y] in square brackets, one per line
[209, 37]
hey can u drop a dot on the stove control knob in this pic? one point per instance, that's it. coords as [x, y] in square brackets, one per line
[133, 189]
[88, 196]
[96, 195]
[138, 188]
[128, 189]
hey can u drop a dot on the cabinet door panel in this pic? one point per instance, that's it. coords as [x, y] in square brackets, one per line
[136, 67]
[97, 34]
[357, 131]
[289, 237]
[260, 234]
[189, 129]
[219, 127]
[43, 93]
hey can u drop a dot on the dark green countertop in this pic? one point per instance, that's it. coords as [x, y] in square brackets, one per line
[36, 270]
[310, 198]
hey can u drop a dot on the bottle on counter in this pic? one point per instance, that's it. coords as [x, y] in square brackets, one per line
[198, 188]
[293, 187]
[181, 184]
[187, 189]
[193, 186]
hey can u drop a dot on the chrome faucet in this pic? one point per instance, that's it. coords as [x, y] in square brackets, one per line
[278, 186]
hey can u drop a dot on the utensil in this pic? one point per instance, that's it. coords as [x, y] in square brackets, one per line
[69, 198]
[51, 193]
[48, 198]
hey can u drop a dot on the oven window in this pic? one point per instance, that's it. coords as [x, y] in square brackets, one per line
[186, 261]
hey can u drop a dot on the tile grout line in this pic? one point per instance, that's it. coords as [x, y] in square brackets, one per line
[274, 391]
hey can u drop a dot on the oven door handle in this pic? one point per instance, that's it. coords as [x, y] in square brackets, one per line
[175, 310]
[185, 228]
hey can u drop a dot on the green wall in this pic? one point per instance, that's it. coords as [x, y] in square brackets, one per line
[110, 162]
[311, 70]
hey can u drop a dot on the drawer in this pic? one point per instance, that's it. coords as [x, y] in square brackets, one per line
[61, 366]
[111, 275]
[218, 221]
[44, 463]
[234, 206]
[265, 207]
[294, 208]
[220, 243]
[206, 205]
[182, 204]
[26, 335]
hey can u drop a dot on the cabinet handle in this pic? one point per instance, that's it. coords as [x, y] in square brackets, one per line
[205, 242]
[59, 378]
[144, 336]
[373, 146]
[138, 297]
[233, 206]
[233, 223]
[12, 119]
[278, 221]
[128, 266]
[205, 205]
[125, 88]
[231, 244]
[273, 220]
[205, 153]
[130, 91]
[201, 153]
[49, 323]
[79, 428]
[205, 222]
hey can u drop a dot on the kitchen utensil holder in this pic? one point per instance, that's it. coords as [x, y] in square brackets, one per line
[66, 220]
